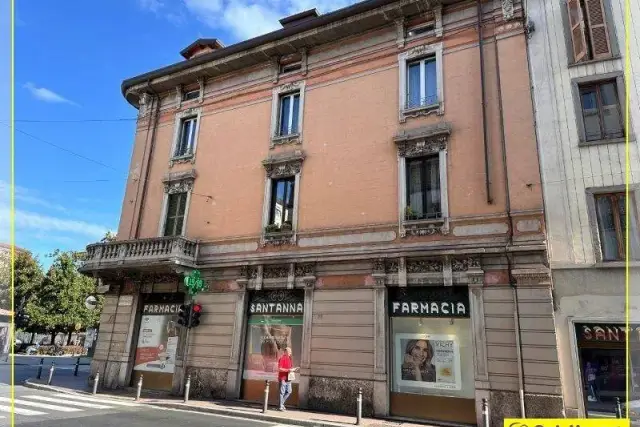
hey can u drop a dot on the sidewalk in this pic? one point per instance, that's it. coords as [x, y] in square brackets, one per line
[238, 409]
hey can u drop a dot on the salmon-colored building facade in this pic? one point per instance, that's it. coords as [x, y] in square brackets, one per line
[361, 186]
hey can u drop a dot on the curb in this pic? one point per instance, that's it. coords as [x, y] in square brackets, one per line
[185, 406]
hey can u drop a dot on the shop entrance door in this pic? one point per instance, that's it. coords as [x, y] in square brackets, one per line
[274, 323]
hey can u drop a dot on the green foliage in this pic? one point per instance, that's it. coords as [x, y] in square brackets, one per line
[58, 304]
[5, 280]
[108, 237]
[28, 278]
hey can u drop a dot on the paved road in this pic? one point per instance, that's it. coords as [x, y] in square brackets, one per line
[27, 367]
[34, 408]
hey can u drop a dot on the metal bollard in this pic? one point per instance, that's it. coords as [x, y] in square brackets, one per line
[359, 407]
[40, 367]
[51, 370]
[139, 390]
[485, 412]
[187, 388]
[95, 382]
[75, 371]
[618, 408]
[266, 397]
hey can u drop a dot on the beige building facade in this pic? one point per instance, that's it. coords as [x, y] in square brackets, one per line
[362, 186]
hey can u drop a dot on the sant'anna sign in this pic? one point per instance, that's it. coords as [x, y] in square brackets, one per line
[278, 302]
[440, 301]
[607, 332]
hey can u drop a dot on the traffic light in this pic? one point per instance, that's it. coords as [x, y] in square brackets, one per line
[196, 310]
[183, 315]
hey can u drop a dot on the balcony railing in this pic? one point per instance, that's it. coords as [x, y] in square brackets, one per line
[150, 251]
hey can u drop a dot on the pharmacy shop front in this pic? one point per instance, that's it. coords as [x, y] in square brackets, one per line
[431, 354]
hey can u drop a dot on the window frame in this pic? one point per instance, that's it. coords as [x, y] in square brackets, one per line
[189, 92]
[410, 56]
[184, 194]
[591, 195]
[181, 117]
[272, 205]
[176, 182]
[278, 92]
[292, 96]
[596, 86]
[424, 189]
[580, 82]
[611, 32]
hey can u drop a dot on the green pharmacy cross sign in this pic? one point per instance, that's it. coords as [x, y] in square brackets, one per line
[193, 282]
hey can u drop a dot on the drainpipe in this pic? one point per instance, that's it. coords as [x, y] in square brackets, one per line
[512, 283]
[484, 101]
[156, 97]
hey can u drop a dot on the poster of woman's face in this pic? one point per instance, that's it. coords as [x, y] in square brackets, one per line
[427, 361]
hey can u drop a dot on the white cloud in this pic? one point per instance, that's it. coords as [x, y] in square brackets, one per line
[250, 18]
[47, 95]
[151, 5]
[27, 196]
[33, 221]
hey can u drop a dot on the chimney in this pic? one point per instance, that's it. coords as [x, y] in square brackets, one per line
[298, 18]
[200, 47]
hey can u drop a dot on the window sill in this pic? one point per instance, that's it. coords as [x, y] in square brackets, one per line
[278, 238]
[423, 227]
[421, 111]
[294, 138]
[593, 61]
[182, 159]
[605, 141]
[617, 264]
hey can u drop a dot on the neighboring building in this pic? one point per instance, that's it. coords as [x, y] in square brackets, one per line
[340, 185]
[577, 62]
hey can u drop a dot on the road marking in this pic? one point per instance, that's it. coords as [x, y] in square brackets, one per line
[67, 402]
[39, 405]
[95, 399]
[20, 411]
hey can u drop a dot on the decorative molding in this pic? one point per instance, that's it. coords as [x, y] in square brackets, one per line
[184, 114]
[178, 97]
[424, 266]
[275, 271]
[201, 85]
[304, 64]
[507, 9]
[423, 141]
[179, 182]
[278, 239]
[283, 166]
[275, 63]
[275, 138]
[392, 266]
[417, 52]
[144, 104]
[423, 228]
[400, 38]
[437, 14]
[465, 264]
[532, 276]
[306, 269]
[285, 140]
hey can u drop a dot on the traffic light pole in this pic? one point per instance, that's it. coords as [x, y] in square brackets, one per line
[185, 353]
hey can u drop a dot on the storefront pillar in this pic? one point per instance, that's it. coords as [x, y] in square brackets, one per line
[479, 339]
[234, 370]
[305, 357]
[380, 384]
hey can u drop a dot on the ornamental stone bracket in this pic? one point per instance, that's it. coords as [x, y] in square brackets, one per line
[424, 140]
[507, 9]
[425, 271]
[284, 165]
[305, 273]
[248, 276]
[179, 182]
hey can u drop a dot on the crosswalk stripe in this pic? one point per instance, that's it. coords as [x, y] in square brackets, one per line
[95, 399]
[67, 402]
[39, 405]
[20, 411]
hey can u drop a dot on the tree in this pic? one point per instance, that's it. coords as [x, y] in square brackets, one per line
[28, 278]
[58, 306]
[5, 280]
[108, 237]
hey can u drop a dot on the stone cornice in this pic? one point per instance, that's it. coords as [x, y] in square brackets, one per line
[424, 140]
[284, 165]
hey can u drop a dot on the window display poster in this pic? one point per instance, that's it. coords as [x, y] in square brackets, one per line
[267, 339]
[157, 344]
[427, 361]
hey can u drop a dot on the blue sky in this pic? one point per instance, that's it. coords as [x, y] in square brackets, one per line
[71, 59]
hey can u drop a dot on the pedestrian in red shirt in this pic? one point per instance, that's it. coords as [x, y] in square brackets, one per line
[285, 376]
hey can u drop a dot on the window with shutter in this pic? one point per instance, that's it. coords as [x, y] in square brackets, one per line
[578, 37]
[598, 34]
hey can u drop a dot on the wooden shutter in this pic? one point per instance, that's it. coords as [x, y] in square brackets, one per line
[576, 23]
[600, 44]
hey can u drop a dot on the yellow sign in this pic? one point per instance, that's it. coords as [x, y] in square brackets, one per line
[566, 422]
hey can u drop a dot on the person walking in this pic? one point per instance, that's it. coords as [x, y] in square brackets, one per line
[285, 376]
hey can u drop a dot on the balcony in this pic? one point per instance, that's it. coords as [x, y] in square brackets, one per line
[155, 253]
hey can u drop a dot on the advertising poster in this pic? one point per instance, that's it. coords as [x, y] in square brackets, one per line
[428, 361]
[267, 338]
[157, 341]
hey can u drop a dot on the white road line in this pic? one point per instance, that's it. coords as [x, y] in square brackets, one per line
[95, 399]
[39, 405]
[67, 402]
[20, 411]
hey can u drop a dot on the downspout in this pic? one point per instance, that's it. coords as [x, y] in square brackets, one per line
[484, 108]
[512, 284]
[156, 97]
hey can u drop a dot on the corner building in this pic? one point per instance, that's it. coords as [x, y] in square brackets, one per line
[362, 186]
